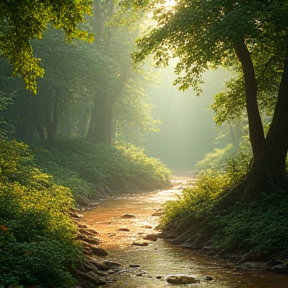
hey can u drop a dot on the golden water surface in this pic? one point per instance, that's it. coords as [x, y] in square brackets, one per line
[159, 258]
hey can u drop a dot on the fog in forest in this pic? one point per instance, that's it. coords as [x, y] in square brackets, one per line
[187, 130]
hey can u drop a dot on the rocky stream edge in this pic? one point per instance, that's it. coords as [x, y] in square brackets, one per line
[95, 270]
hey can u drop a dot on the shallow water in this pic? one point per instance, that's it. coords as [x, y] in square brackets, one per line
[159, 258]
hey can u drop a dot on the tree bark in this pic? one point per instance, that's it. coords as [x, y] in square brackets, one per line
[256, 131]
[268, 170]
[52, 120]
[96, 21]
[277, 137]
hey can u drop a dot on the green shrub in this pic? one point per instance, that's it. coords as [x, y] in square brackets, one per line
[260, 225]
[85, 167]
[37, 237]
[195, 202]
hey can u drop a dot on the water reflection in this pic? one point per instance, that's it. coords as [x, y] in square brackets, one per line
[147, 266]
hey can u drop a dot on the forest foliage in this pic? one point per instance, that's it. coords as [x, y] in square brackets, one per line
[86, 99]
[92, 95]
[22, 21]
[37, 237]
[199, 215]
[89, 169]
[233, 204]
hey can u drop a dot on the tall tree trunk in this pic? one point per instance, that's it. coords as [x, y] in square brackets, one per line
[100, 129]
[52, 120]
[277, 137]
[256, 179]
[102, 11]
[256, 131]
[96, 21]
[26, 130]
[41, 133]
[268, 166]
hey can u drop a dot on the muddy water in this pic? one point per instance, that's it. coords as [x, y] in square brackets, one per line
[147, 266]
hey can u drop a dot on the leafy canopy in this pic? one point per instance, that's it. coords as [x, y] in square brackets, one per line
[201, 34]
[21, 21]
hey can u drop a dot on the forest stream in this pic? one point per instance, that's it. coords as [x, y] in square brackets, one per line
[124, 222]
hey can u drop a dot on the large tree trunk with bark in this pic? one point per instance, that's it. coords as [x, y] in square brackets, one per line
[277, 137]
[273, 156]
[267, 171]
[256, 131]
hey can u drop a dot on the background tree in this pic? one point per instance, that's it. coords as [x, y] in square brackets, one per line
[205, 34]
[69, 94]
[115, 39]
[21, 21]
[133, 113]
[73, 74]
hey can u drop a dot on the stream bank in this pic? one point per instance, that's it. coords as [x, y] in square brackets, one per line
[139, 257]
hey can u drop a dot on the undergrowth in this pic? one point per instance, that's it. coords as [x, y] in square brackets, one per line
[37, 237]
[87, 168]
[260, 225]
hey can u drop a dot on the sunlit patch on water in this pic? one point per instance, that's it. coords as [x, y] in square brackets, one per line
[150, 264]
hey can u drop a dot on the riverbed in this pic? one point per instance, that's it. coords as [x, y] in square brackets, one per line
[124, 221]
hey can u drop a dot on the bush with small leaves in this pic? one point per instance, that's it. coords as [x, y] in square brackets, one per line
[37, 236]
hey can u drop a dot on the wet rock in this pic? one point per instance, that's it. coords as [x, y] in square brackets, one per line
[181, 279]
[158, 277]
[75, 215]
[151, 237]
[89, 273]
[105, 222]
[272, 263]
[87, 235]
[253, 265]
[87, 231]
[98, 251]
[93, 204]
[112, 264]
[124, 229]
[280, 268]
[127, 216]
[101, 265]
[158, 213]
[208, 278]
[90, 249]
[88, 239]
[147, 227]
[91, 277]
[82, 226]
[91, 231]
[140, 243]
